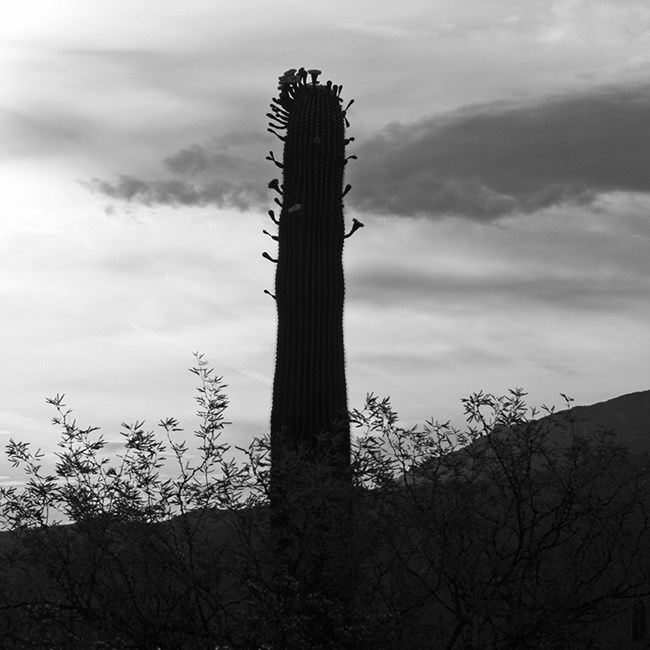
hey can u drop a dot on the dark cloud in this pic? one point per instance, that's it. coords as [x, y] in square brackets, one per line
[227, 172]
[224, 194]
[196, 159]
[487, 161]
[192, 160]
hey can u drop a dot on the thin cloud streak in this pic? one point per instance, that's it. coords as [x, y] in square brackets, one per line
[563, 294]
[565, 261]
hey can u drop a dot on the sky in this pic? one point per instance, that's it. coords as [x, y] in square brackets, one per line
[503, 177]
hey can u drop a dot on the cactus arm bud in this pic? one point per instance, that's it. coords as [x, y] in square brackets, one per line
[356, 224]
[275, 185]
[314, 75]
[272, 158]
[277, 135]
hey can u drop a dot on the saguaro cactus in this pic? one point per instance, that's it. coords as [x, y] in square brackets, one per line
[310, 433]
[309, 389]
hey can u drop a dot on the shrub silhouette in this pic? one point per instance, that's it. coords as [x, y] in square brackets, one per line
[515, 533]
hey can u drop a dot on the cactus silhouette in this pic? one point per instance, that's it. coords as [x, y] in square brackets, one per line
[309, 390]
[309, 416]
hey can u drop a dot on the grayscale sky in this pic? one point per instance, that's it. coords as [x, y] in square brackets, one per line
[503, 177]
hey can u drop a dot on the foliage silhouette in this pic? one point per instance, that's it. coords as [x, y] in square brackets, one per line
[518, 532]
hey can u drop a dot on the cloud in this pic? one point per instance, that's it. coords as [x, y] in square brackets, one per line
[491, 160]
[196, 159]
[191, 160]
[175, 192]
[226, 172]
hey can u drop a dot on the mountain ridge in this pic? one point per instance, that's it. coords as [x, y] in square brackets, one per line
[627, 415]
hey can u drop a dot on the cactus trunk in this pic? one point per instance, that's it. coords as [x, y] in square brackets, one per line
[309, 418]
[309, 391]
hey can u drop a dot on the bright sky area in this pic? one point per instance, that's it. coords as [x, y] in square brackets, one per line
[503, 178]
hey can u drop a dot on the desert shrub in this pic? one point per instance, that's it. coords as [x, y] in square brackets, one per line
[518, 532]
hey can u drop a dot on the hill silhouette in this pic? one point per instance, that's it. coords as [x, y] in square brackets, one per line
[626, 415]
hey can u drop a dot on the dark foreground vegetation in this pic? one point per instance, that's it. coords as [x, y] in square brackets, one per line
[519, 532]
